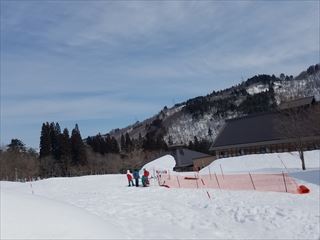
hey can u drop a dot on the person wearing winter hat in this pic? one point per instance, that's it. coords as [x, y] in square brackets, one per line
[145, 178]
[130, 178]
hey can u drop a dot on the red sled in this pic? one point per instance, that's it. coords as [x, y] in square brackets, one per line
[302, 189]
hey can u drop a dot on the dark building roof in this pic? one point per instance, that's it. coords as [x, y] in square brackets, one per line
[176, 146]
[255, 129]
[297, 103]
[263, 127]
[184, 157]
[249, 129]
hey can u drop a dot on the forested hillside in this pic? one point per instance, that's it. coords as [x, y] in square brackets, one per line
[200, 119]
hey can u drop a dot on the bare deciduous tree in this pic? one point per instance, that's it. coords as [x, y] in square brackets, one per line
[301, 126]
[15, 165]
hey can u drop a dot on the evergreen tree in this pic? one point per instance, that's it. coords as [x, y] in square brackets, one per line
[57, 128]
[45, 141]
[160, 143]
[103, 145]
[152, 142]
[128, 144]
[210, 132]
[107, 144]
[148, 142]
[96, 146]
[90, 141]
[78, 151]
[55, 133]
[191, 146]
[196, 142]
[16, 145]
[139, 142]
[65, 151]
[122, 143]
[114, 145]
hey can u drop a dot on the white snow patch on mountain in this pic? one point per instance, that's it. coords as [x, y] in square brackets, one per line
[186, 128]
[258, 88]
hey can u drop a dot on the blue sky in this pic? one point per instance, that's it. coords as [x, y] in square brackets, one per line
[107, 64]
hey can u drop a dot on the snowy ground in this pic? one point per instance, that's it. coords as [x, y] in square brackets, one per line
[100, 207]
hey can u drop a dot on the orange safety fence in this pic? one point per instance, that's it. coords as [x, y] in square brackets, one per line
[260, 182]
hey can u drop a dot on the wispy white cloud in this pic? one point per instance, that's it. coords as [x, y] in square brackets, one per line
[30, 111]
[122, 58]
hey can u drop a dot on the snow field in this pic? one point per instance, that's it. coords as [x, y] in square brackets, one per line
[31, 217]
[92, 207]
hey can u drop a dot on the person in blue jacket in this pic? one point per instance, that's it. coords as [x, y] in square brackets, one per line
[136, 177]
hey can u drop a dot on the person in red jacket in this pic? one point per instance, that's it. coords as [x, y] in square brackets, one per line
[145, 180]
[130, 178]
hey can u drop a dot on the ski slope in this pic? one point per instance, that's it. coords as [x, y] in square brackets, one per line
[103, 207]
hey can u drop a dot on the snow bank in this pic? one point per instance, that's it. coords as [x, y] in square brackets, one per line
[267, 163]
[165, 163]
[93, 207]
[32, 217]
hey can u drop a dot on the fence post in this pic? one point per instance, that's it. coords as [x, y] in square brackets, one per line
[217, 181]
[31, 186]
[203, 182]
[208, 194]
[178, 181]
[283, 164]
[209, 173]
[221, 171]
[205, 190]
[252, 181]
[284, 180]
[196, 180]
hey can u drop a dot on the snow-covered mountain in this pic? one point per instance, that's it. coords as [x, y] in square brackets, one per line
[204, 116]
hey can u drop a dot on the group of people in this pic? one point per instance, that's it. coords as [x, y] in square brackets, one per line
[136, 176]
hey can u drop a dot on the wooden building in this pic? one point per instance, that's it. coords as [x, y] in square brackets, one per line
[294, 124]
[185, 158]
[201, 162]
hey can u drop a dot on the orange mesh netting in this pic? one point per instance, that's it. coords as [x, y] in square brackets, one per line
[261, 182]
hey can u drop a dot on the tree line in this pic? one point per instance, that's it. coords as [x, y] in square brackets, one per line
[59, 151]
[103, 145]
[109, 144]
